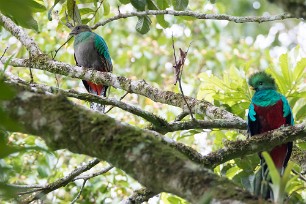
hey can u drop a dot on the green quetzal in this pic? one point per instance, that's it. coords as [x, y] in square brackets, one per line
[91, 51]
[269, 110]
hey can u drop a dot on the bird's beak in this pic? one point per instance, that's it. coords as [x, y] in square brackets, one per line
[72, 33]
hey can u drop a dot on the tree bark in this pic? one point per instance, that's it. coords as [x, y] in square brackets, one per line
[143, 154]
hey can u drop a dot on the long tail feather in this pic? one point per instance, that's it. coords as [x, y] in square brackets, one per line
[97, 107]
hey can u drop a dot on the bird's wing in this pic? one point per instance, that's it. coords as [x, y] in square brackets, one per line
[287, 111]
[102, 49]
[84, 82]
[290, 121]
[253, 121]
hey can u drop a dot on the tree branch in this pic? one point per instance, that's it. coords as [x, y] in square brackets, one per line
[132, 86]
[21, 35]
[258, 143]
[158, 124]
[138, 152]
[139, 196]
[61, 182]
[200, 124]
[236, 19]
[39, 88]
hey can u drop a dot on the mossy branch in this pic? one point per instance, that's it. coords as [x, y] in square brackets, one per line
[140, 153]
[140, 87]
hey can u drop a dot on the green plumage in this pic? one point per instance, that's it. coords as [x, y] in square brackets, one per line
[91, 51]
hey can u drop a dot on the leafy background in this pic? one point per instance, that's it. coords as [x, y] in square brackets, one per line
[222, 55]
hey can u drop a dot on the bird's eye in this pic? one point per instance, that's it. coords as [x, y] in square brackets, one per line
[260, 83]
[78, 28]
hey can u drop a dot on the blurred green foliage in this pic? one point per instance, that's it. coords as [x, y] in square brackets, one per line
[221, 57]
[21, 12]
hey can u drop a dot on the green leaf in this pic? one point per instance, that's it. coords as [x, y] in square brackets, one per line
[7, 92]
[161, 20]
[275, 176]
[22, 14]
[301, 113]
[143, 24]
[299, 69]
[124, 1]
[302, 145]
[8, 192]
[106, 7]
[84, 11]
[73, 12]
[43, 172]
[180, 5]
[85, 20]
[51, 9]
[152, 5]
[162, 4]
[139, 4]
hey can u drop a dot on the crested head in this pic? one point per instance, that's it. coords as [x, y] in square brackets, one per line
[79, 29]
[262, 81]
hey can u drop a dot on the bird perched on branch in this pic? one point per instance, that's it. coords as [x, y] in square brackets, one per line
[269, 110]
[91, 51]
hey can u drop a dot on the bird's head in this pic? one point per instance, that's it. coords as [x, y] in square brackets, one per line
[79, 29]
[262, 81]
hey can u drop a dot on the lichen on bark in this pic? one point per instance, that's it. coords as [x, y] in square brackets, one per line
[145, 155]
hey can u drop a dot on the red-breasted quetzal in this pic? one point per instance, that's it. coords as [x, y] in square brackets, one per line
[269, 110]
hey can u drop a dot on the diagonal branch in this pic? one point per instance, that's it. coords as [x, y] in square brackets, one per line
[132, 86]
[158, 124]
[61, 182]
[138, 152]
[155, 120]
[196, 15]
[234, 149]
[21, 35]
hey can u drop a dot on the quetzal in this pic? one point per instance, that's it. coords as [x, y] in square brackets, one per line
[269, 110]
[91, 51]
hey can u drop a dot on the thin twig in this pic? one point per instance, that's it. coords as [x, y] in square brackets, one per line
[97, 10]
[31, 76]
[62, 181]
[175, 61]
[236, 19]
[57, 82]
[86, 177]
[181, 116]
[4, 52]
[178, 70]
[122, 97]
[56, 51]
[180, 81]
[80, 192]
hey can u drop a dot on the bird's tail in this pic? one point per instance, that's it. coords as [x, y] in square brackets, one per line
[97, 107]
[98, 90]
[261, 182]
